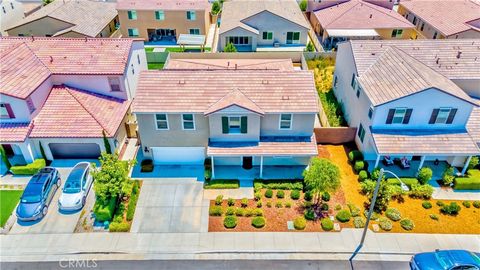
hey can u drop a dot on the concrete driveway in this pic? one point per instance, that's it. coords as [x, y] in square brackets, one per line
[171, 205]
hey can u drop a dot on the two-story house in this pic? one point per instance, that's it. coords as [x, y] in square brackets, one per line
[11, 12]
[163, 21]
[61, 98]
[410, 99]
[247, 120]
[251, 25]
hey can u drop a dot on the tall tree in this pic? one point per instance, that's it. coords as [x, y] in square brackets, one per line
[322, 175]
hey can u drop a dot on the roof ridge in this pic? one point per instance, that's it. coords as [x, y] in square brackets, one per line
[384, 11]
[337, 5]
[395, 49]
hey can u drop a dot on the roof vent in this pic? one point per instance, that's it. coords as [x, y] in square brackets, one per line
[181, 81]
[264, 81]
[33, 38]
[438, 59]
[373, 53]
[371, 16]
[285, 98]
[51, 59]
[459, 53]
[236, 66]
[86, 39]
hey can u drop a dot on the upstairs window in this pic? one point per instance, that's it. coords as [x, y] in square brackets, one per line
[30, 105]
[267, 35]
[370, 112]
[159, 15]
[396, 33]
[361, 133]
[435, 35]
[188, 121]
[133, 32]
[443, 116]
[114, 84]
[161, 121]
[285, 121]
[353, 83]
[399, 116]
[234, 124]
[191, 16]
[132, 14]
[194, 31]
[6, 111]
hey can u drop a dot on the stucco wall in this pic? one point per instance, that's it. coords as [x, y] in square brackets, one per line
[237, 32]
[41, 27]
[11, 15]
[94, 83]
[302, 125]
[253, 128]
[137, 62]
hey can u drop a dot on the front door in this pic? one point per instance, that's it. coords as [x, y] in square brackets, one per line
[247, 163]
[8, 150]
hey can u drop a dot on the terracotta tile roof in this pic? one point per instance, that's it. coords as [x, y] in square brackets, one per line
[74, 113]
[14, 132]
[163, 5]
[267, 146]
[428, 142]
[440, 55]
[358, 14]
[234, 98]
[236, 11]
[274, 64]
[21, 71]
[86, 17]
[396, 74]
[186, 91]
[447, 16]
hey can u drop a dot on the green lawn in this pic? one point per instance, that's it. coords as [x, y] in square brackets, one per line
[155, 65]
[471, 181]
[149, 49]
[8, 201]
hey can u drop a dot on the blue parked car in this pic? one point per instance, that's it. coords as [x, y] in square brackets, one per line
[446, 260]
[38, 194]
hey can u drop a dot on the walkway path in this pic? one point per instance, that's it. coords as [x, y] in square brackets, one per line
[211, 36]
[131, 151]
[451, 194]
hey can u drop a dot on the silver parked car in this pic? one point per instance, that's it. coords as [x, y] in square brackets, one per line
[76, 188]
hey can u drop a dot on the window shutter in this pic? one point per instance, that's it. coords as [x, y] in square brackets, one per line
[408, 114]
[451, 116]
[243, 124]
[9, 111]
[433, 118]
[391, 112]
[225, 128]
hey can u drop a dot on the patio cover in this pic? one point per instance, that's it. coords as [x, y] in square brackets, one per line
[352, 33]
[193, 40]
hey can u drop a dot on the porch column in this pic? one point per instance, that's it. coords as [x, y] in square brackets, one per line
[213, 169]
[464, 170]
[422, 160]
[261, 166]
[377, 161]
[27, 152]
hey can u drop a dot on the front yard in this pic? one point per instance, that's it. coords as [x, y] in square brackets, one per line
[8, 201]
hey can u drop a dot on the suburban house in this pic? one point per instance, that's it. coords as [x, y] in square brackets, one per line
[11, 12]
[252, 25]
[252, 118]
[412, 100]
[162, 21]
[443, 19]
[62, 97]
[336, 21]
[69, 18]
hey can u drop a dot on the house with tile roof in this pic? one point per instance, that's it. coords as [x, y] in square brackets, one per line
[416, 100]
[69, 18]
[254, 122]
[336, 21]
[251, 25]
[438, 19]
[62, 96]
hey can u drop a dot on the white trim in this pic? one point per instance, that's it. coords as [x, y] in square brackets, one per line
[155, 121]
[189, 31]
[280, 121]
[240, 124]
[183, 121]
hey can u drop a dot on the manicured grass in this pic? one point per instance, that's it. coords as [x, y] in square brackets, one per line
[8, 201]
[408, 181]
[155, 65]
[221, 184]
[471, 181]
[149, 49]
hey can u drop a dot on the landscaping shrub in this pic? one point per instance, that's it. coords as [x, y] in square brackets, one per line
[219, 200]
[476, 204]
[258, 222]
[396, 191]
[385, 192]
[467, 204]
[29, 169]
[367, 187]
[421, 191]
[119, 227]
[385, 224]
[451, 209]
[324, 207]
[309, 214]
[259, 204]
[5, 160]
[288, 204]
[278, 204]
[362, 175]
[426, 204]
[248, 212]
[375, 216]
[327, 224]
[424, 175]
[354, 210]
[375, 174]
[303, 5]
[146, 165]
[307, 204]
[321, 176]
[393, 214]
[407, 224]
[343, 216]
[269, 204]
[133, 201]
[258, 195]
[269, 193]
[230, 222]
[325, 196]
[355, 155]
[338, 207]
[359, 222]
[474, 162]
[222, 184]
[308, 196]
[230, 211]
[240, 212]
[215, 211]
[440, 203]
[468, 182]
[300, 223]
[295, 194]
[332, 108]
[258, 212]
[280, 194]
[230, 202]
[358, 166]
[104, 212]
[244, 202]
[278, 184]
[433, 216]
[447, 176]
[408, 181]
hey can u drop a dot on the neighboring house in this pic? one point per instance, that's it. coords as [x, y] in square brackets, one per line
[69, 18]
[251, 118]
[444, 18]
[251, 25]
[358, 19]
[61, 96]
[163, 20]
[412, 99]
[11, 11]
[30, 6]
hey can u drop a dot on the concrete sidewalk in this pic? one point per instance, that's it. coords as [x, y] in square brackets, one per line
[284, 245]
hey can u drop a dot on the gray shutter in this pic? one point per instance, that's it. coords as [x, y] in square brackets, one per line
[244, 124]
[434, 115]
[225, 128]
[391, 112]
[408, 114]
[451, 116]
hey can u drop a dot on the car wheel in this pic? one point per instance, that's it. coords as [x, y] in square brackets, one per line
[44, 210]
[59, 182]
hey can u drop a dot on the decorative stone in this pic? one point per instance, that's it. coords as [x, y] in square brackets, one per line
[290, 225]
[332, 218]
[375, 227]
[336, 226]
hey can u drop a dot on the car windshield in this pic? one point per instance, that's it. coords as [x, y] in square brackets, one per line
[73, 183]
[31, 198]
[72, 187]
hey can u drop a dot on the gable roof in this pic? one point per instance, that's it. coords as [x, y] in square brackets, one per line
[186, 91]
[86, 17]
[263, 64]
[396, 74]
[163, 5]
[71, 113]
[439, 14]
[234, 98]
[358, 14]
[236, 11]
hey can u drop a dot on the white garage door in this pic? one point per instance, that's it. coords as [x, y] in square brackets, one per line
[178, 155]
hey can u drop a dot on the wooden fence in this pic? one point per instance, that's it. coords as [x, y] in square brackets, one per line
[335, 135]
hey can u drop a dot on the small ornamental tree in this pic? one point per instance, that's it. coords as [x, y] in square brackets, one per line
[216, 7]
[310, 47]
[322, 175]
[424, 175]
[108, 148]
[303, 5]
[230, 48]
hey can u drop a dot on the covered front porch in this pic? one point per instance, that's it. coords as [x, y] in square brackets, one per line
[269, 172]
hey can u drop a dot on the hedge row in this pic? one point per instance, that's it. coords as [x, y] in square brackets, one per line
[105, 212]
[222, 184]
[278, 184]
[29, 169]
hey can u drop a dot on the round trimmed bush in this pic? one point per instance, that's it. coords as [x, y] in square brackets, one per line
[244, 202]
[308, 196]
[230, 222]
[476, 204]
[230, 202]
[230, 211]
[424, 175]
[362, 175]
[219, 200]
[300, 223]
[354, 210]
[269, 193]
[343, 216]
[240, 212]
[393, 214]
[280, 194]
[324, 207]
[407, 224]
[325, 196]
[259, 204]
[355, 155]
[258, 212]
[258, 195]
[451, 209]
[426, 204]
[375, 215]
[309, 214]
[467, 204]
[215, 211]
[269, 204]
[258, 222]
[288, 204]
[327, 224]
[385, 224]
[359, 222]
[440, 203]
[295, 194]
[433, 216]
[359, 165]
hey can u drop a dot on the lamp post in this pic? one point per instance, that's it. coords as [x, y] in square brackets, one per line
[370, 210]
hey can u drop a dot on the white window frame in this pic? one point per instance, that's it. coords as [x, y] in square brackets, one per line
[398, 117]
[239, 125]
[185, 121]
[133, 30]
[446, 110]
[280, 121]
[190, 31]
[273, 35]
[193, 15]
[161, 15]
[134, 15]
[156, 121]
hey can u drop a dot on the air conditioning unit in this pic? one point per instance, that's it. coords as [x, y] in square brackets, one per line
[276, 44]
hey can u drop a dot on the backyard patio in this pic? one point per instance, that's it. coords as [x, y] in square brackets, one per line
[437, 170]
